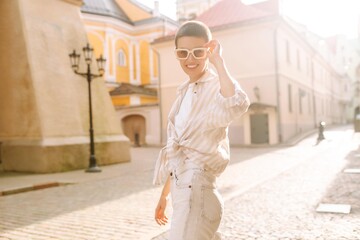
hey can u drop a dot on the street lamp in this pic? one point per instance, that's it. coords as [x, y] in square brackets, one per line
[75, 59]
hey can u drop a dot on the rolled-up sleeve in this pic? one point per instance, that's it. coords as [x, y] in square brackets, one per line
[239, 99]
[226, 109]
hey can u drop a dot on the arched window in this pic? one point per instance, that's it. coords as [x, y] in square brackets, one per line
[121, 58]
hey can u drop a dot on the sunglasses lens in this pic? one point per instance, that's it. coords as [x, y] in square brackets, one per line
[182, 54]
[199, 53]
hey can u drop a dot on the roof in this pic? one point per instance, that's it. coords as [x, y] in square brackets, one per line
[128, 89]
[135, 10]
[228, 12]
[106, 8]
[129, 11]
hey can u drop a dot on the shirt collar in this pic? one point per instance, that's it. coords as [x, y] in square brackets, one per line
[206, 77]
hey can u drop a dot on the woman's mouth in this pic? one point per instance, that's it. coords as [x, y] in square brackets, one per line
[191, 66]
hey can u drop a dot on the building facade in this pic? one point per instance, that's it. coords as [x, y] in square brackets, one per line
[295, 79]
[351, 60]
[291, 85]
[122, 30]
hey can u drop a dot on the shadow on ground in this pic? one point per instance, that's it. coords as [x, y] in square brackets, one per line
[345, 187]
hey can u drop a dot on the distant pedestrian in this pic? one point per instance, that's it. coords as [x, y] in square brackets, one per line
[197, 149]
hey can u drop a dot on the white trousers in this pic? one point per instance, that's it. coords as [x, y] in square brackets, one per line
[197, 204]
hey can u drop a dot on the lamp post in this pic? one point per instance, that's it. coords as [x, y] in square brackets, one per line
[75, 59]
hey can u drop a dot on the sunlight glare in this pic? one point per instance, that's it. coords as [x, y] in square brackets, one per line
[325, 17]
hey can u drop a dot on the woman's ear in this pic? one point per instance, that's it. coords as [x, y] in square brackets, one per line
[211, 46]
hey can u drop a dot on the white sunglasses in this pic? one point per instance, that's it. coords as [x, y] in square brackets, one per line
[198, 53]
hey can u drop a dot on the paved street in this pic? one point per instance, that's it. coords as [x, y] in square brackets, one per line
[284, 207]
[270, 193]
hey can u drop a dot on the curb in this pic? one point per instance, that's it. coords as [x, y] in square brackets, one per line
[31, 188]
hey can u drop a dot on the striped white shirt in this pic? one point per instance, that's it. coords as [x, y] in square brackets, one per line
[181, 117]
[204, 139]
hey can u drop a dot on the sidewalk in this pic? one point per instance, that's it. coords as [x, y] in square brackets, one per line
[12, 183]
[117, 203]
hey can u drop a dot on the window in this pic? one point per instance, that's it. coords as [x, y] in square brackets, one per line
[288, 52]
[312, 70]
[289, 98]
[121, 61]
[307, 66]
[302, 94]
[298, 59]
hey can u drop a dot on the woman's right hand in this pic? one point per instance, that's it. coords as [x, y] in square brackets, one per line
[160, 216]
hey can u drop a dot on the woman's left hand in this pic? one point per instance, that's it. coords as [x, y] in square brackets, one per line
[160, 216]
[215, 51]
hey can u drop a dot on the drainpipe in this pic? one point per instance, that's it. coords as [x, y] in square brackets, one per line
[277, 81]
[313, 89]
[159, 96]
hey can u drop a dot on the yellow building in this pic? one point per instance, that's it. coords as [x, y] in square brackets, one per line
[122, 30]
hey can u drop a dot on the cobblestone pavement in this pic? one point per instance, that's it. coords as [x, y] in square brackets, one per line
[270, 193]
[284, 207]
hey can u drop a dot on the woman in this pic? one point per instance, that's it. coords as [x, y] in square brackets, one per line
[197, 149]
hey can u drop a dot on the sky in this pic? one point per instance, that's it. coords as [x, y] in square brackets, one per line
[324, 17]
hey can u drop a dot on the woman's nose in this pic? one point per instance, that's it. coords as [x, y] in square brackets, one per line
[190, 57]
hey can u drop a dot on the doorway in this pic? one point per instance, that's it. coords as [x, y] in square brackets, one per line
[259, 124]
[134, 127]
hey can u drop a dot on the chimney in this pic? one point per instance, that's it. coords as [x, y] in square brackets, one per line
[156, 11]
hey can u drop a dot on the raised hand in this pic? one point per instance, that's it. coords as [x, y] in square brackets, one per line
[215, 51]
